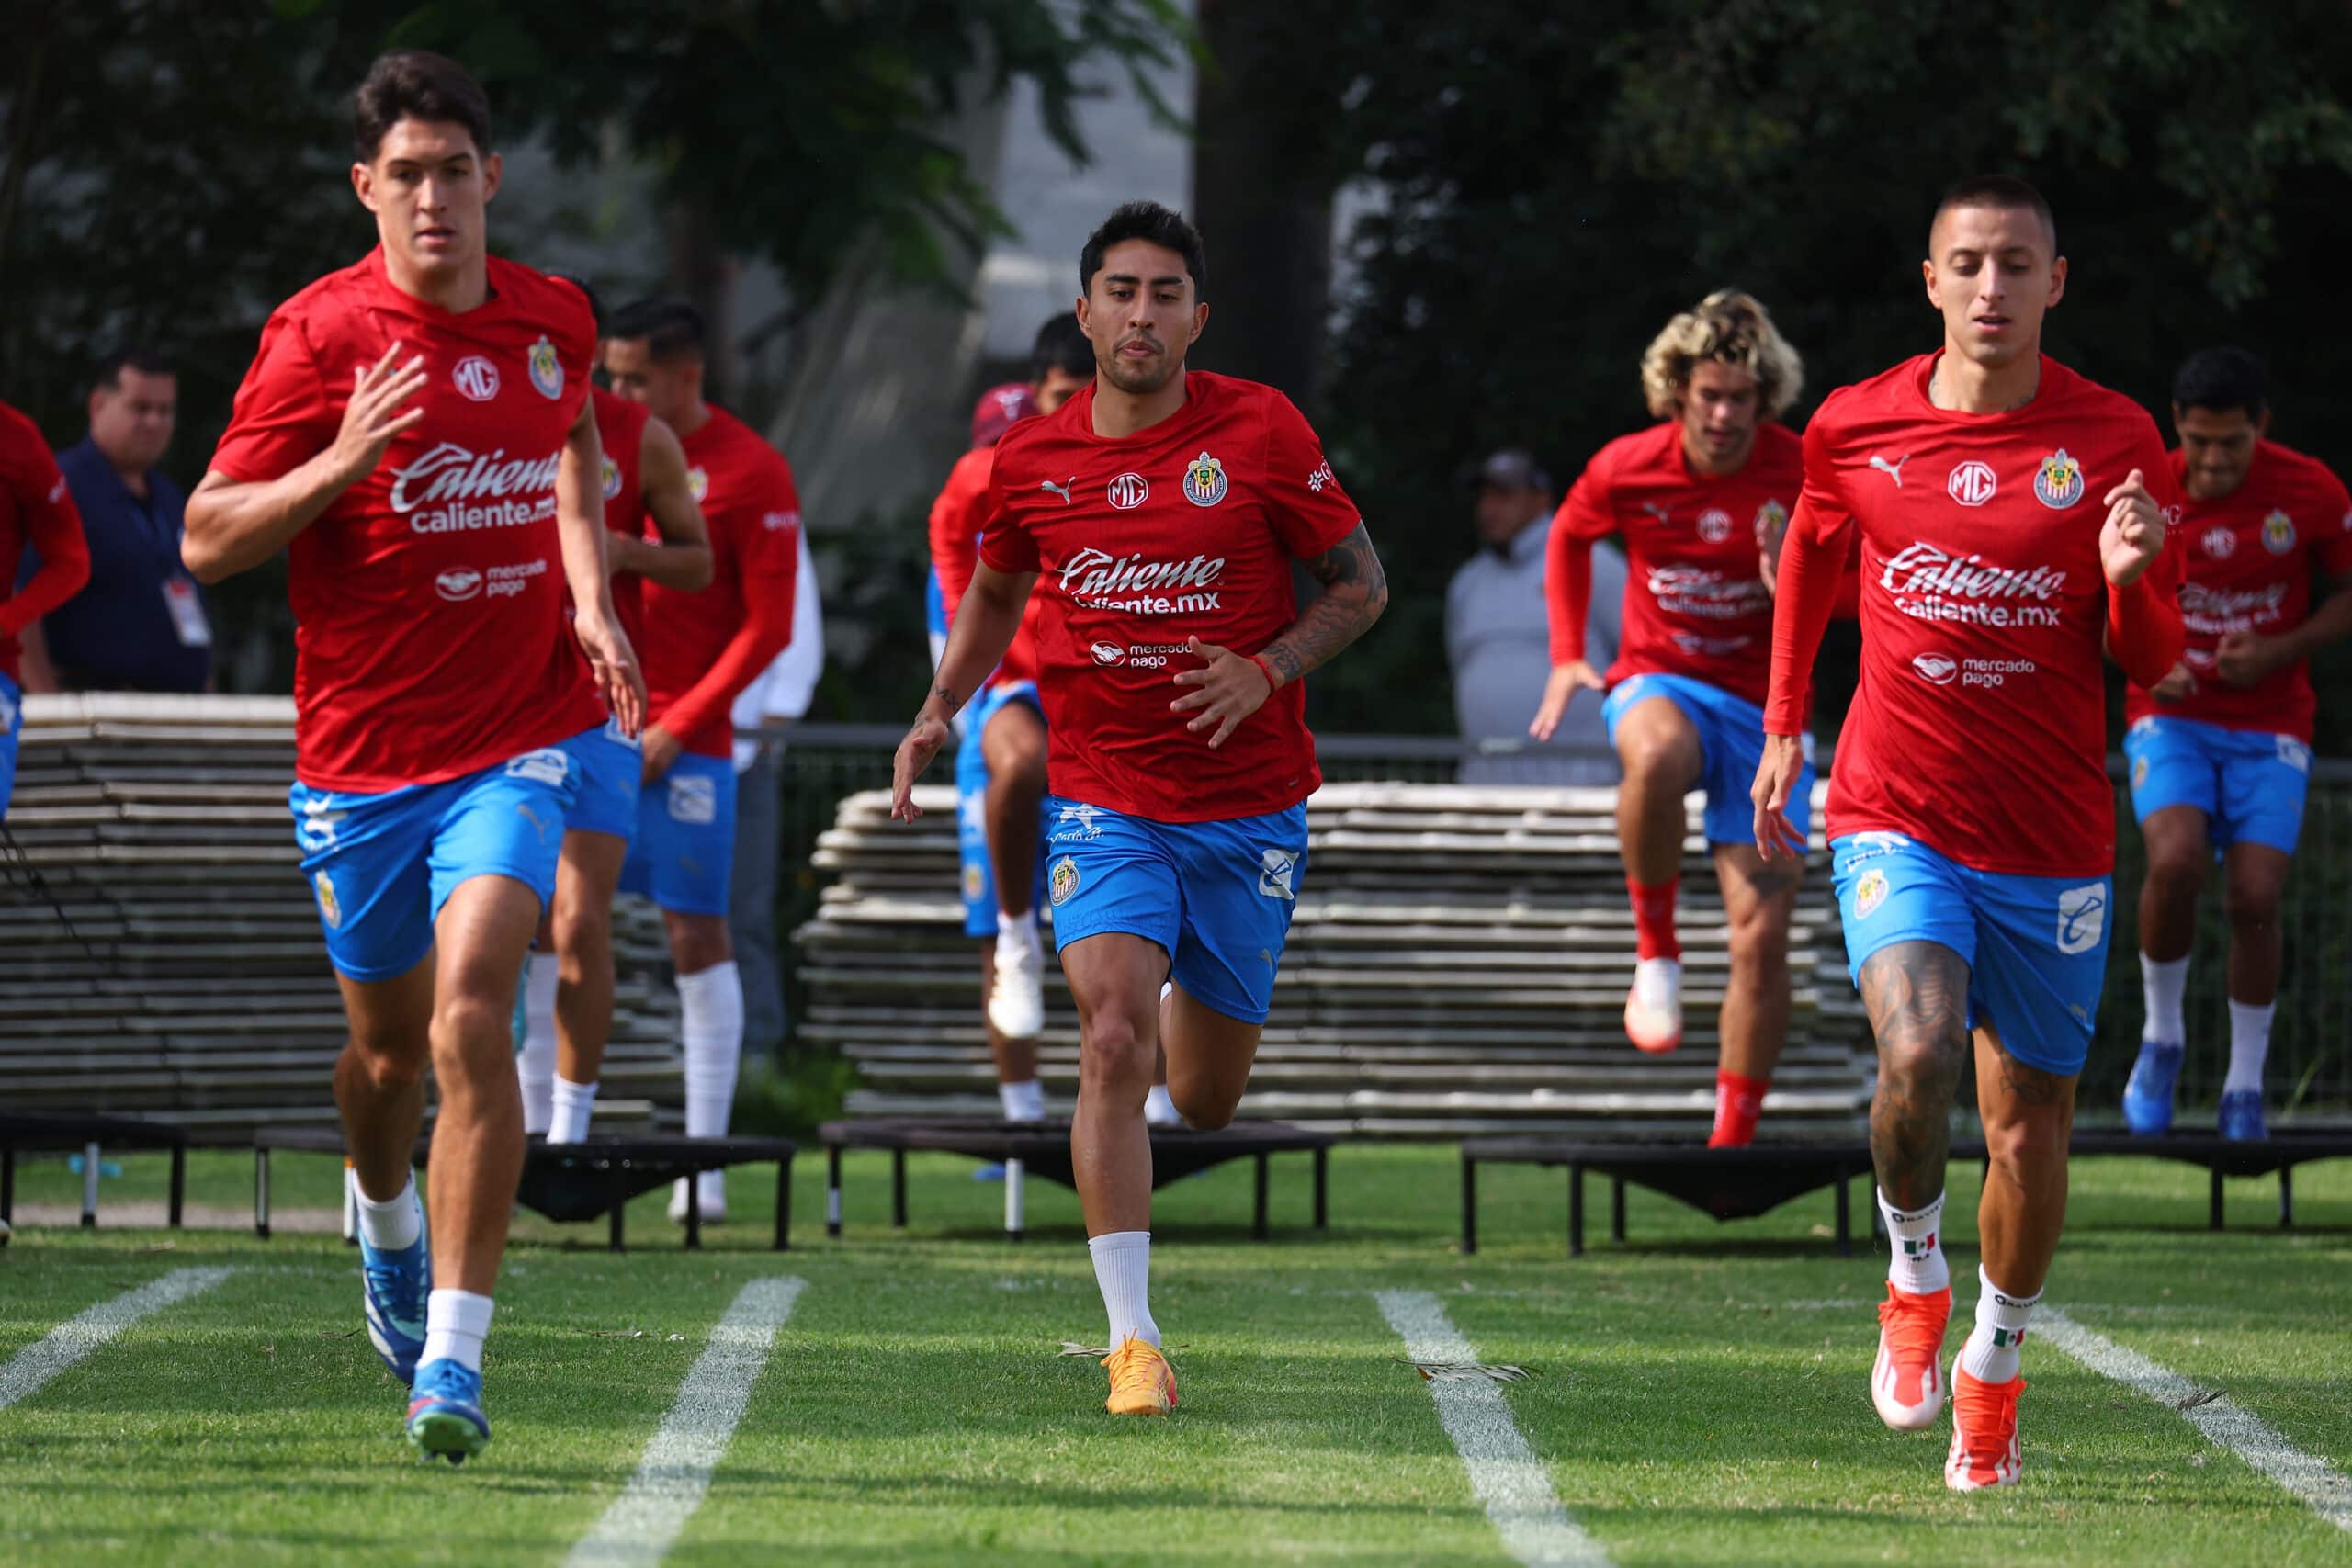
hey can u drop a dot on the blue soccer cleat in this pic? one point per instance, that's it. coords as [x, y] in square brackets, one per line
[395, 1285]
[445, 1419]
[2147, 1095]
[2241, 1118]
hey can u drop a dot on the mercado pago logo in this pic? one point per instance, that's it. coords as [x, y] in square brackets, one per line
[1100, 580]
[454, 490]
[1931, 584]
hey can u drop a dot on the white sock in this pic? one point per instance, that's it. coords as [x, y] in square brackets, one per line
[536, 1062]
[455, 1323]
[1991, 1353]
[573, 1104]
[1022, 927]
[712, 1028]
[1024, 1101]
[1917, 1264]
[395, 1223]
[2161, 985]
[1123, 1268]
[1158, 1111]
[2249, 1046]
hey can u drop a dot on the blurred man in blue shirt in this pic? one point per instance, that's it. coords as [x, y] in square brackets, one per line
[141, 624]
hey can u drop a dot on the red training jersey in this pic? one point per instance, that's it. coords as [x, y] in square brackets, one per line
[621, 425]
[1979, 728]
[702, 648]
[1696, 603]
[35, 508]
[2249, 557]
[955, 551]
[1186, 529]
[430, 638]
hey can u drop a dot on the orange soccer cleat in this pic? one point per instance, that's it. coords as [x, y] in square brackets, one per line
[1984, 1434]
[1907, 1381]
[1141, 1381]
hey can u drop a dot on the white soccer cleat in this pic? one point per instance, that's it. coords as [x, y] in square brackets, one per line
[1654, 1007]
[1907, 1381]
[1017, 994]
[713, 1198]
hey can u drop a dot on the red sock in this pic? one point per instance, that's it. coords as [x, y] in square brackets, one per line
[1738, 1102]
[1654, 918]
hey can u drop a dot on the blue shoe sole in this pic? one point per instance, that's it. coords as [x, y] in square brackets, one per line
[448, 1432]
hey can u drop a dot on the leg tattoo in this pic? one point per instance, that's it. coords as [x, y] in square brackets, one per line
[1917, 995]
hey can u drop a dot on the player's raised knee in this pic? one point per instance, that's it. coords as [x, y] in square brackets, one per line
[1203, 1107]
[2025, 1142]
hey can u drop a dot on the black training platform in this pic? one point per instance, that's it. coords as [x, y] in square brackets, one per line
[1043, 1149]
[2281, 1152]
[578, 1182]
[43, 1133]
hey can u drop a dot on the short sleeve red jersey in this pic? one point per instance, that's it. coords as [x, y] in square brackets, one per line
[1695, 600]
[2249, 557]
[1183, 530]
[1979, 727]
[35, 508]
[698, 655]
[428, 598]
[620, 425]
[956, 550]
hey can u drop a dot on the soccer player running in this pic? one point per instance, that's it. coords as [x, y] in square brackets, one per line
[35, 509]
[568, 989]
[2220, 748]
[2010, 516]
[415, 429]
[1701, 499]
[1158, 512]
[1000, 757]
[702, 649]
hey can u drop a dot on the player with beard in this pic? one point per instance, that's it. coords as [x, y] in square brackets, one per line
[1157, 513]
[415, 431]
[2011, 516]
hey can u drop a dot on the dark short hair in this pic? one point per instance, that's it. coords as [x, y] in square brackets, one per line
[416, 84]
[595, 304]
[2220, 379]
[1061, 345]
[672, 328]
[129, 357]
[1160, 226]
[2006, 192]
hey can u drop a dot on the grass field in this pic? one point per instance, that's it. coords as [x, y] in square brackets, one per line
[1699, 1399]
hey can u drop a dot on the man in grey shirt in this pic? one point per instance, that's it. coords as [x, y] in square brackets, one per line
[1497, 637]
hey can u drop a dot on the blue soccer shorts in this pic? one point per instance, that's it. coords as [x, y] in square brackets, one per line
[610, 766]
[12, 725]
[1731, 748]
[2250, 783]
[971, 810]
[2035, 946]
[684, 846]
[381, 865]
[1215, 896]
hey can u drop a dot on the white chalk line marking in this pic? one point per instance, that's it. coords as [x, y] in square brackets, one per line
[1506, 1477]
[645, 1521]
[30, 1370]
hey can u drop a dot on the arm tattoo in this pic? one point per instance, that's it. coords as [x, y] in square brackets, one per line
[1917, 995]
[1355, 591]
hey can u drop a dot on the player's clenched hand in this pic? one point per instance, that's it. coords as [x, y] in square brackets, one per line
[661, 752]
[374, 414]
[618, 679]
[2243, 659]
[1776, 781]
[915, 752]
[2181, 682]
[1559, 691]
[1231, 688]
[2133, 534]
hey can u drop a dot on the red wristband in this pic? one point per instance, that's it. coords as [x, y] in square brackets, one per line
[1272, 684]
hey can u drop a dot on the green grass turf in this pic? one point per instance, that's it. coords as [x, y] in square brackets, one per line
[1701, 1397]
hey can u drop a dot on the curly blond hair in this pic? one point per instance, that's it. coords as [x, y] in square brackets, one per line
[1730, 327]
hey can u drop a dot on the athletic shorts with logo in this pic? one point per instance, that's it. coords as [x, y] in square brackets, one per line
[2035, 946]
[686, 837]
[2250, 783]
[381, 865]
[1216, 896]
[1731, 748]
[610, 766]
[12, 725]
[971, 810]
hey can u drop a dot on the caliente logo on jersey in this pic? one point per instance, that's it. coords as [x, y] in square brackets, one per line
[2058, 483]
[453, 490]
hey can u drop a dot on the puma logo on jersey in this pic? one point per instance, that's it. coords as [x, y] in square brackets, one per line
[1655, 509]
[1893, 470]
[1059, 490]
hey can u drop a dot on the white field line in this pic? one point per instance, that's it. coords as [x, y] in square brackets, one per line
[2307, 1477]
[644, 1521]
[1506, 1477]
[30, 1369]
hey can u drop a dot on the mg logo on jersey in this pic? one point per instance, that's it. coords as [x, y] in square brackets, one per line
[2058, 483]
[1971, 484]
[475, 376]
[1275, 869]
[2278, 533]
[2082, 916]
[1936, 668]
[1715, 524]
[2219, 543]
[1127, 492]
